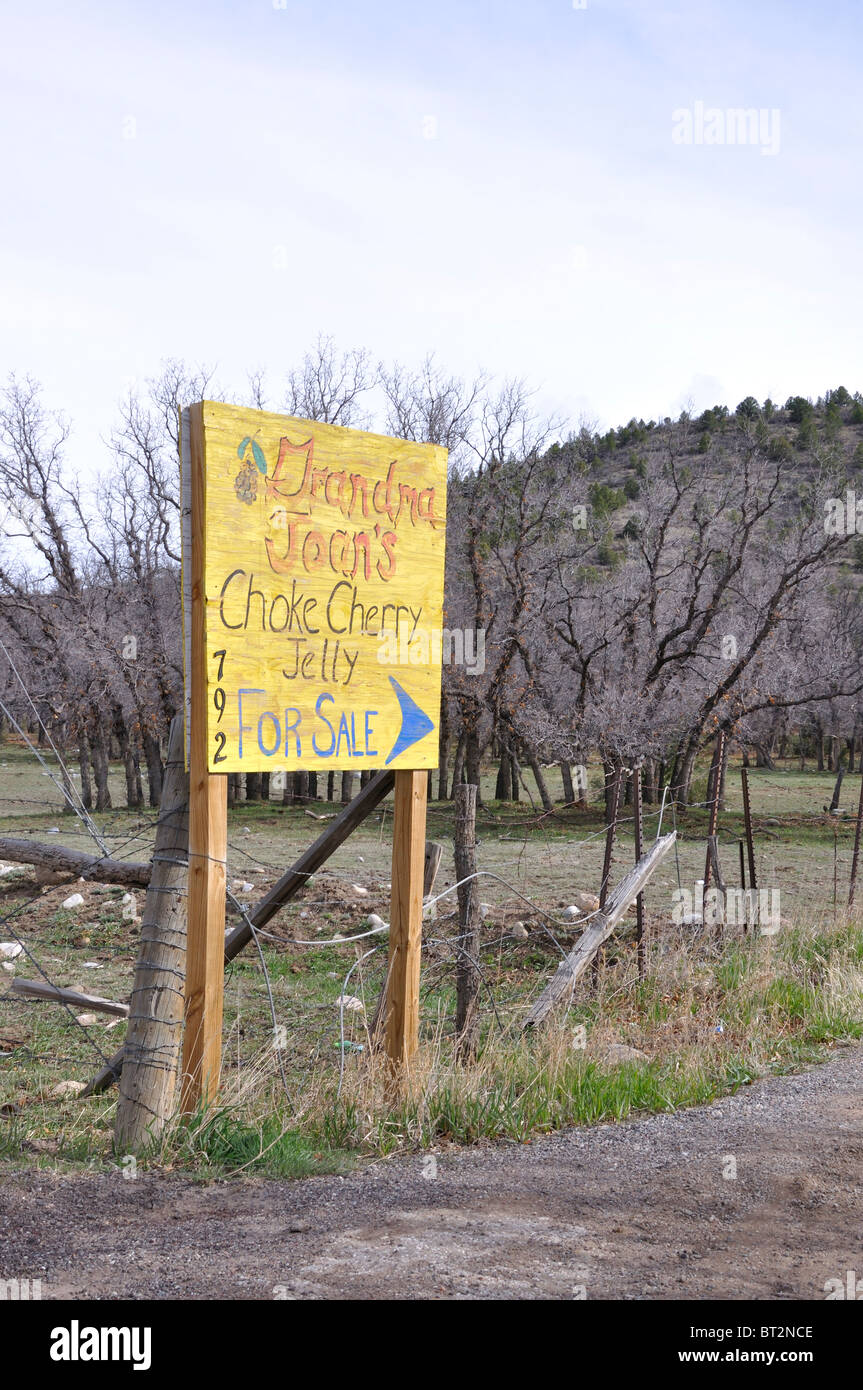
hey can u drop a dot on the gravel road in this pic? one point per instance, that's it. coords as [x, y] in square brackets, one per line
[643, 1210]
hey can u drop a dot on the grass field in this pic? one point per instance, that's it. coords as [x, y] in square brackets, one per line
[708, 1016]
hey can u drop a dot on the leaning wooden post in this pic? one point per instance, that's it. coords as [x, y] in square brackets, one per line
[467, 960]
[600, 926]
[856, 848]
[409, 829]
[208, 833]
[152, 1047]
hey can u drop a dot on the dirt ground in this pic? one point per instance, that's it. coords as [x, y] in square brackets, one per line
[649, 1209]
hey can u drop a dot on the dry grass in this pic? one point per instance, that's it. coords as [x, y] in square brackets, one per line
[708, 1017]
[778, 1003]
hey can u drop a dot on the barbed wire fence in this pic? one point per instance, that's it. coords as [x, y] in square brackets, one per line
[312, 1026]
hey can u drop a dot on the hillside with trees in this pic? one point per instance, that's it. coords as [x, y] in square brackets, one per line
[637, 590]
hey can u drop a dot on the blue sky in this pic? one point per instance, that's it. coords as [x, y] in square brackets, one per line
[492, 182]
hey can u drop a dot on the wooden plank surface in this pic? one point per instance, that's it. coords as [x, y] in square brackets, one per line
[323, 594]
[208, 830]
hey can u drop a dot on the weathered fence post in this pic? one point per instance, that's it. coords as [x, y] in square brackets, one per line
[747, 820]
[610, 832]
[613, 803]
[713, 780]
[467, 960]
[856, 848]
[152, 1048]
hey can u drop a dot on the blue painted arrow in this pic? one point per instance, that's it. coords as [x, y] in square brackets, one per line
[415, 723]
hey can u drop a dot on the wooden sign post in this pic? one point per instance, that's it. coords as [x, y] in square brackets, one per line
[406, 917]
[313, 562]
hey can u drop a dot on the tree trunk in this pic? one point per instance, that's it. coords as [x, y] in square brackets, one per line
[100, 766]
[648, 781]
[348, 781]
[152, 1048]
[84, 765]
[610, 773]
[533, 763]
[443, 752]
[503, 785]
[153, 759]
[139, 786]
[681, 775]
[127, 757]
[472, 758]
[568, 789]
[628, 781]
[253, 786]
[516, 778]
[458, 765]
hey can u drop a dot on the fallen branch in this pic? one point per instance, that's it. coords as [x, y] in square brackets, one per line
[601, 926]
[39, 989]
[74, 861]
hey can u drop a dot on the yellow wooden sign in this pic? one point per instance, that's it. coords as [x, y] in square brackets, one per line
[323, 578]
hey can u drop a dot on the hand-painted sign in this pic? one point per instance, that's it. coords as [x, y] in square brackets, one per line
[324, 561]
